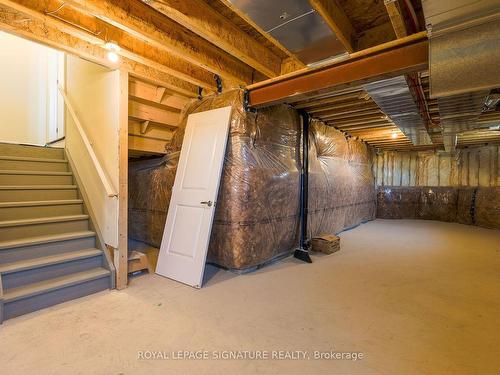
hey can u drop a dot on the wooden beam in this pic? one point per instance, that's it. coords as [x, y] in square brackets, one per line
[146, 145]
[144, 126]
[290, 65]
[397, 18]
[121, 254]
[352, 116]
[202, 19]
[138, 19]
[70, 21]
[153, 131]
[359, 127]
[142, 112]
[334, 102]
[334, 115]
[409, 54]
[148, 94]
[38, 31]
[336, 19]
[160, 93]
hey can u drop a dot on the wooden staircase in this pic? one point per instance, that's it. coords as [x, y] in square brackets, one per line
[48, 251]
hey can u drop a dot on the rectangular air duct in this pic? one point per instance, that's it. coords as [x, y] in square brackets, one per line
[394, 98]
[464, 45]
[459, 113]
[464, 50]
[296, 25]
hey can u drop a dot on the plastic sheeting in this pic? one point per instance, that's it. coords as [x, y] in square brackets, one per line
[256, 218]
[341, 184]
[475, 206]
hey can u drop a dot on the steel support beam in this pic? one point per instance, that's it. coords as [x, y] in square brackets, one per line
[406, 55]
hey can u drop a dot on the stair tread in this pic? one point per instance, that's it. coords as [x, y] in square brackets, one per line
[27, 158]
[35, 240]
[37, 187]
[54, 284]
[47, 260]
[42, 220]
[55, 202]
[34, 173]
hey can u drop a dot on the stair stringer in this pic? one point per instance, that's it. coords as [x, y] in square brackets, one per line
[87, 209]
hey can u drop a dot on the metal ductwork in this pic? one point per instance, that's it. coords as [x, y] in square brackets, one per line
[464, 50]
[459, 113]
[394, 98]
[464, 45]
[296, 25]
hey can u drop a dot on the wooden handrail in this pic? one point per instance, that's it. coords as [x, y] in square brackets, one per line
[108, 186]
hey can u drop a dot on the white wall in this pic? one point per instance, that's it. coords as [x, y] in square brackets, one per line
[28, 100]
[94, 92]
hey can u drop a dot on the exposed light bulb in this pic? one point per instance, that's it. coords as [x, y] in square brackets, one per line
[113, 49]
[394, 135]
[112, 46]
[113, 57]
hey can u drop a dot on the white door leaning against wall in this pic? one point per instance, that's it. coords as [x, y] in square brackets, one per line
[192, 206]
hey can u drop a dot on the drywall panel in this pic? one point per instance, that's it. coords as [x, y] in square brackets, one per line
[28, 84]
[94, 92]
[467, 167]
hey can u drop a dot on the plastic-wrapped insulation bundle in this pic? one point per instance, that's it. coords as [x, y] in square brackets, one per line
[341, 185]
[256, 218]
[472, 205]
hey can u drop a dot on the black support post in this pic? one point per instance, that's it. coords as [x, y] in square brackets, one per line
[302, 252]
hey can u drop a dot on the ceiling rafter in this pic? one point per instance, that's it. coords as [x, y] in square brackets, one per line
[71, 21]
[336, 19]
[202, 19]
[143, 22]
[397, 18]
[39, 31]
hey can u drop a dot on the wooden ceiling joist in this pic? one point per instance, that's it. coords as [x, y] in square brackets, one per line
[143, 22]
[334, 102]
[397, 18]
[346, 111]
[143, 112]
[41, 32]
[69, 20]
[353, 115]
[388, 60]
[148, 94]
[152, 131]
[338, 22]
[141, 145]
[202, 19]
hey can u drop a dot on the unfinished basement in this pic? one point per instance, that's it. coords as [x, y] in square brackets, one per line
[233, 186]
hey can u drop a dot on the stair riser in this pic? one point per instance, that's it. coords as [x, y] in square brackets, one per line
[22, 165]
[31, 151]
[17, 279]
[24, 231]
[37, 195]
[47, 249]
[18, 213]
[41, 301]
[26, 179]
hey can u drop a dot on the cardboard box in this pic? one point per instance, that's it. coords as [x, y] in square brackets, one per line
[325, 243]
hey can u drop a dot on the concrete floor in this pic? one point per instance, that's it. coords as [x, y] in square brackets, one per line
[415, 297]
